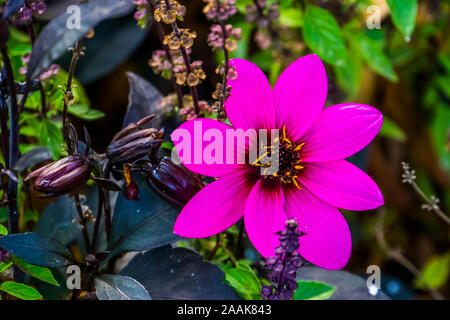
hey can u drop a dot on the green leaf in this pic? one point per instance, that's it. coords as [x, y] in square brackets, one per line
[243, 44]
[440, 130]
[3, 230]
[242, 5]
[403, 14]
[435, 272]
[322, 34]
[291, 17]
[275, 71]
[4, 266]
[243, 280]
[85, 113]
[30, 215]
[391, 130]
[373, 54]
[20, 290]
[312, 290]
[41, 273]
[285, 3]
[443, 83]
[168, 145]
[349, 74]
[56, 94]
[51, 137]
[444, 59]
[3, 214]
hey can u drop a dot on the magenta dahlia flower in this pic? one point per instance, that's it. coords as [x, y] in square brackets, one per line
[313, 180]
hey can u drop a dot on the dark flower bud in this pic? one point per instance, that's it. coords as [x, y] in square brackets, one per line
[131, 190]
[173, 182]
[61, 176]
[132, 146]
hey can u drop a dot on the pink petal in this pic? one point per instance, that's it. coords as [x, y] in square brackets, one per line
[216, 207]
[327, 242]
[340, 131]
[250, 104]
[342, 185]
[264, 216]
[194, 138]
[300, 94]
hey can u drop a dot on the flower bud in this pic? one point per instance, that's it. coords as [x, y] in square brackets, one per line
[131, 190]
[173, 182]
[61, 176]
[133, 146]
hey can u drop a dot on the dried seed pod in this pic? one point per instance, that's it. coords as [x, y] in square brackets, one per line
[61, 176]
[134, 146]
[173, 182]
[128, 146]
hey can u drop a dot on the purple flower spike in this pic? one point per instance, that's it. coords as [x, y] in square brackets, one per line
[283, 267]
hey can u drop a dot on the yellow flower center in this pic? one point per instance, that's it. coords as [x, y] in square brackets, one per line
[289, 160]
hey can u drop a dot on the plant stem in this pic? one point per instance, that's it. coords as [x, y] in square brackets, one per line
[216, 247]
[226, 62]
[43, 102]
[106, 202]
[103, 204]
[98, 218]
[434, 208]
[13, 215]
[230, 255]
[187, 62]
[237, 250]
[160, 30]
[396, 255]
[273, 33]
[82, 220]
[77, 50]
[2, 293]
[5, 136]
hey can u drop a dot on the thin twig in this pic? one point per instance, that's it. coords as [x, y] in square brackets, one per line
[396, 255]
[187, 62]
[409, 177]
[98, 218]
[68, 95]
[230, 255]
[433, 207]
[160, 30]
[272, 32]
[226, 62]
[13, 215]
[216, 247]
[82, 220]
[237, 250]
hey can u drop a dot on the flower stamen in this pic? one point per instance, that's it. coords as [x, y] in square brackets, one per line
[288, 162]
